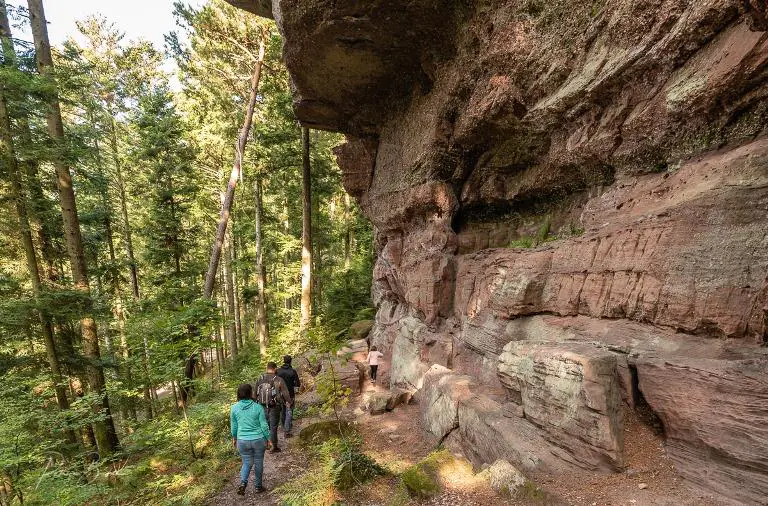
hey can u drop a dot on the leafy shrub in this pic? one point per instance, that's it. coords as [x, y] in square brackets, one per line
[341, 465]
[348, 465]
[334, 394]
[523, 242]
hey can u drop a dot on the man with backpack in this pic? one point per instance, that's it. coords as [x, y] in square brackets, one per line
[292, 381]
[272, 393]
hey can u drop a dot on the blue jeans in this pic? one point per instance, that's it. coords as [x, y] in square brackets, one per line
[252, 453]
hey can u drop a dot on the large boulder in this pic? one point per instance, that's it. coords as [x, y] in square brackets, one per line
[439, 399]
[572, 392]
[360, 329]
[349, 373]
[505, 478]
[486, 435]
[377, 402]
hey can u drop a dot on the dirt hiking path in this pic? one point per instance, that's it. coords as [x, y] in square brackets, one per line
[278, 468]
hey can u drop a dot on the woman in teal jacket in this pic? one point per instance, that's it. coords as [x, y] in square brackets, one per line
[250, 435]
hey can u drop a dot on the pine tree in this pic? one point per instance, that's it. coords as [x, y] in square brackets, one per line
[105, 433]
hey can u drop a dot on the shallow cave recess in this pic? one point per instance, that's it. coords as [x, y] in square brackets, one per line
[642, 409]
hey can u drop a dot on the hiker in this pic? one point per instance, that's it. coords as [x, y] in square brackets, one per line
[272, 394]
[373, 361]
[292, 381]
[250, 436]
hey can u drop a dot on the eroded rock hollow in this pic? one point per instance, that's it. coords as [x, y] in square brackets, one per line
[571, 211]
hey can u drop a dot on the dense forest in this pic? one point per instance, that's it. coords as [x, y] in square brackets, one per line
[161, 236]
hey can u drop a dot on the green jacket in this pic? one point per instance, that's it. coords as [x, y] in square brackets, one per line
[248, 421]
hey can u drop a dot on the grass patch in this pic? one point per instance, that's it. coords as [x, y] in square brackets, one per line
[341, 465]
[420, 483]
[523, 242]
[320, 432]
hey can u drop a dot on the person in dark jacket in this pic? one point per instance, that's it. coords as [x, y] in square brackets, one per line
[281, 398]
[292, 381]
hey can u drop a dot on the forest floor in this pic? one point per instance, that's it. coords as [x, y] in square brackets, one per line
[397, 441]
[278, 468]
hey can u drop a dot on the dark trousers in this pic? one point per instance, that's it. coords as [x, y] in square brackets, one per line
[374, 370]
[286, 415]
[273, 418]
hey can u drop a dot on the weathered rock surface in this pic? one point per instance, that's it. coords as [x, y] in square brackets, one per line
[505, 478]
[571, 391]
[439, 399]
[377, 402]
[585, 174]
[350, 373]
[714, 413]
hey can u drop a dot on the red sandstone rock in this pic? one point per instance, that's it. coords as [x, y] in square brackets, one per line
[572, 392]
[634, 133]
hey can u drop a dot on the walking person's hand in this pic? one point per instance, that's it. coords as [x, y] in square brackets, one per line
[234, 442]
[269, 445]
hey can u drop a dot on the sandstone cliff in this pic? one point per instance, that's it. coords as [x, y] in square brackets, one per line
[571, 212]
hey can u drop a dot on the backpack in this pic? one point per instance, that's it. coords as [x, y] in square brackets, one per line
[266, 392]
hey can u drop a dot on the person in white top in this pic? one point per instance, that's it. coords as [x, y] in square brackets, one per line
[373, 362]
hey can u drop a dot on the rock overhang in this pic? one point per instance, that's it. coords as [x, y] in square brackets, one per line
[350, 60]
[556, 172]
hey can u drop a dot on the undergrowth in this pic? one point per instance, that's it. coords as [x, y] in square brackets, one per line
[340, 465]
[155, 467]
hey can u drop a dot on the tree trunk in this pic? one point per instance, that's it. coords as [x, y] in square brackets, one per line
[235, 292]
[230, 296]
[123, 372]
[124, 213]
[226, 206]
[347, 232]
[262, 323]
[105, 433]
[37, 206]
[119, 313]
[306, 235]
[7, 152]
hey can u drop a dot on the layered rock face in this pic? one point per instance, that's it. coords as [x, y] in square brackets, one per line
[571, 212]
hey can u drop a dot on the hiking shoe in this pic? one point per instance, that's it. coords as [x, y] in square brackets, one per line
[275, 450]
[241, 489]
[288, 434]
[259, 490]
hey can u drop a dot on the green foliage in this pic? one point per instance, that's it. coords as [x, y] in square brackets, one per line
[148, 166]
[575, 230]
[419, 482]
[340, 466]
[335, 395]
[543, 232]
[523, 242]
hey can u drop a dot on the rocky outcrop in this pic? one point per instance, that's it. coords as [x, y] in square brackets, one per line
[570, 204]
[714, 412]
[571, 391]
